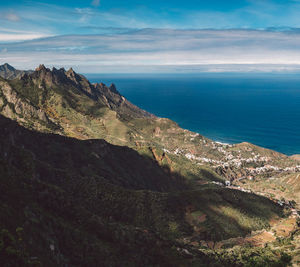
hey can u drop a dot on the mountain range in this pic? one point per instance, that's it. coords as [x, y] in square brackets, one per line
[89, 179]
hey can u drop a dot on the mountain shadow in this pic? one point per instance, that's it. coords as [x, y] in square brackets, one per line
[74, 202]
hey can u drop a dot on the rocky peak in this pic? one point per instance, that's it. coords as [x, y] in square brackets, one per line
[99, 86]
[6, 66]
[59, 73]
[41, 68]
[9, 72]
[54, 75]
[44, 74]
[113, 89]
[72, 75]
[71, 72]
[110, 91]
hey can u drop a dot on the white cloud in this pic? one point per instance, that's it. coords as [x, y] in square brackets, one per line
[12, 37]
[158, 49]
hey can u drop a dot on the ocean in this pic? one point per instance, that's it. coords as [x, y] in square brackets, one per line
[263, 109]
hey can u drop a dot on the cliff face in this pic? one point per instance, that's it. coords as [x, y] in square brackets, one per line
[14, 106]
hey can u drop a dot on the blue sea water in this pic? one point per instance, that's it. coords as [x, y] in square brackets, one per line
[263, 109]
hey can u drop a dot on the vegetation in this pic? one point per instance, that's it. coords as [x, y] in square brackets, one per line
[69, 198]
[73, 212]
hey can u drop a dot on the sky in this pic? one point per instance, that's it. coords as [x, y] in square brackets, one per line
[152, 35]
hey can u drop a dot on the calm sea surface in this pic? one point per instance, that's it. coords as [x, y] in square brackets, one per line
[263, 109]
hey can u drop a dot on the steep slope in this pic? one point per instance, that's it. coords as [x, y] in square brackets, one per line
[65, 102]
[155, 205]
[121, 166]
[76, 107]
[73, 202]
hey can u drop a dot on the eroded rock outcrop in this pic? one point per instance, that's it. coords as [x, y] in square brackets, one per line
[19, 108]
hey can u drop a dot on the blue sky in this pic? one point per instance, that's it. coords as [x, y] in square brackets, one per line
[78, 16]
[115, 35]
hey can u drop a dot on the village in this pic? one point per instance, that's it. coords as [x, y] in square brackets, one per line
[236, 160]
[253, 165]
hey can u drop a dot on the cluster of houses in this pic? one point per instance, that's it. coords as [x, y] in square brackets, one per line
[202, 159]
[268, 168]
[236, 161]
